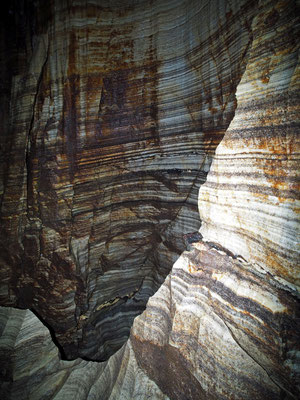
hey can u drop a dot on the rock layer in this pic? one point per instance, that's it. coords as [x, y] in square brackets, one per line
[220, 329]
[250, 202]
[41, 374]
[228, 314]
[115, 109]
[225, 322]
[216, 329]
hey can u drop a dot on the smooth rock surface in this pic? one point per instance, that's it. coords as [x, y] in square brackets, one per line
[114, 110]
[250, 202]
[220, 330]
[225, 323]
[32, 369]
[216, 329]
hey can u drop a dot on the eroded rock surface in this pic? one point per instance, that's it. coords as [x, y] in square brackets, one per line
[114, 110]
[225, 322]
[31, 367]
[250, 202]
[220, 330]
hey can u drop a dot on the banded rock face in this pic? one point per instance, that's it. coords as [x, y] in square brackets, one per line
[32, 369]
[215, 329]
[228, 314]
[219, 329]
[113, 111]
[225, 323]
[250, 202]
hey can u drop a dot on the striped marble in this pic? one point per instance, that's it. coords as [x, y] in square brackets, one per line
[224, 324]
[31, 367]
[219, 329]
[216, 329]
[115, 110]
[250, 202]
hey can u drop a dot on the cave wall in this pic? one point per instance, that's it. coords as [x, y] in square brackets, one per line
[225, 322]
[114, 110]
[250, 202]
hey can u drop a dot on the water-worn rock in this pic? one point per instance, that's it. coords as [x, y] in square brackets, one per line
[228, 314]
[225, 322]
[31, 367]
[114, 111]
[219, 329]
[250, 202]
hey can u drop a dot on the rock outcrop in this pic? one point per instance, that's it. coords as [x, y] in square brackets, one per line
[250, 202]
[224, 324]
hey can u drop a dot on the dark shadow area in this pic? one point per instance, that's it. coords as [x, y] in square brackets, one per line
[61, 351]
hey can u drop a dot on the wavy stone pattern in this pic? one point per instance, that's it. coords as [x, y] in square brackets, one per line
[228, 314]
[225, 323]
[220, 329]
[216, 329]
[250, 202]
[40, 374]
[115, 109]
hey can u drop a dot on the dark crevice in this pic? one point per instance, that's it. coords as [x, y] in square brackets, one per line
[60, 348]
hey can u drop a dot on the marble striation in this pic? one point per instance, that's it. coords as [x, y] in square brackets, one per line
[225, 322]
[114, 110]
[41, 374]
[250, 201]
[221, 330]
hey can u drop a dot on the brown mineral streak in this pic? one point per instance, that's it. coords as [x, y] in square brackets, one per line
[132, 101]
[173, 375]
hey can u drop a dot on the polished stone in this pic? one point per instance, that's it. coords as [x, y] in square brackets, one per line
[90, 227]
[115, 111]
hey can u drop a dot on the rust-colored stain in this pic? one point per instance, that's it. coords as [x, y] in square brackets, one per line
[265, 79]
[101, 113]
